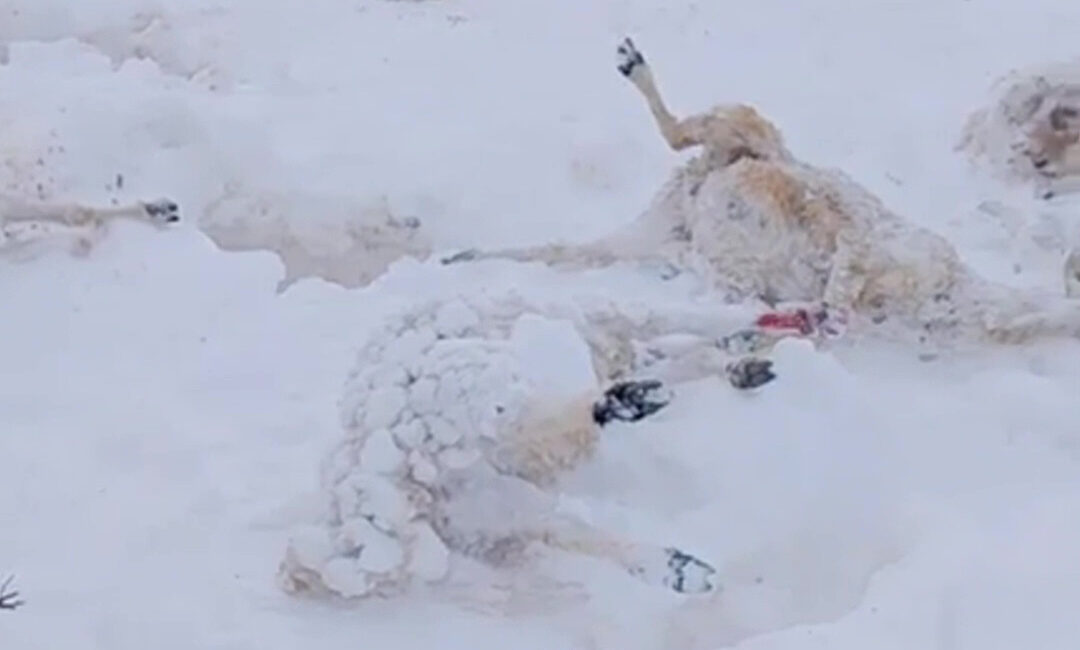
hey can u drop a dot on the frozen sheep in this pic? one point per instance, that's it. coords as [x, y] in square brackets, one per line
[759, 224]
[459, 425]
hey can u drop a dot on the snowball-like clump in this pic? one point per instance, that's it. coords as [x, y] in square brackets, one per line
[431, 395]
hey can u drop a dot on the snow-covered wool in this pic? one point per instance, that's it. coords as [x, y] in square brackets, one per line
[1030, 131]
[459, 419]
[758, 224]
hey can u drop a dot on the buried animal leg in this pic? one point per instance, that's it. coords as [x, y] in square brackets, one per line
[592, 255]
[659, 566]
[1048, 188]
[1061, 320]
[160, 212]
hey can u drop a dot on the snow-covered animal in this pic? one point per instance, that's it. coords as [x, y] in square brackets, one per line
[461, 418]
[335, 238]
[24, 221]
[759, 224]
[1030, 132]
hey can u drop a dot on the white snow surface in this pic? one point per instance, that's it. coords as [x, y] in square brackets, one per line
[165, 411]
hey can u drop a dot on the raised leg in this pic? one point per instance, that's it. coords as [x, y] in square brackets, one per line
[9, 599]
[632, 65]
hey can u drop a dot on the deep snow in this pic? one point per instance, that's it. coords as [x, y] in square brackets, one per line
[165, 411]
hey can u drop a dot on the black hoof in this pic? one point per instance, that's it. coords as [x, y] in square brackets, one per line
[164, 211]
[628, 57]
[687, 574]
[750, 373]
[630, 401]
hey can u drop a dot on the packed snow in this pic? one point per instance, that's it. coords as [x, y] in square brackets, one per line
[169, 396]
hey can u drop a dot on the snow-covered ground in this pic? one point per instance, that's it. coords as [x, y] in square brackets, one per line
[164, 410]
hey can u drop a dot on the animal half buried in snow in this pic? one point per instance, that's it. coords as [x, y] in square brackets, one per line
[758, 224]
[454, 449]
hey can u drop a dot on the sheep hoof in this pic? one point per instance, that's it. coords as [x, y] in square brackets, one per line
[631, 401]
[676, 570]
[627, 57]
[750, 373]
[162, 211]
[687, 574]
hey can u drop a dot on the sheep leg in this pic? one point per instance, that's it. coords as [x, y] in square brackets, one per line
[660, 566]
[632, 65]
[570, 256]
[162, 211]
[1061, 320]
[846, 280]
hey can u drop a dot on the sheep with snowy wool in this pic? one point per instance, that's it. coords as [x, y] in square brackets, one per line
[461, 417]
[760, 225]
